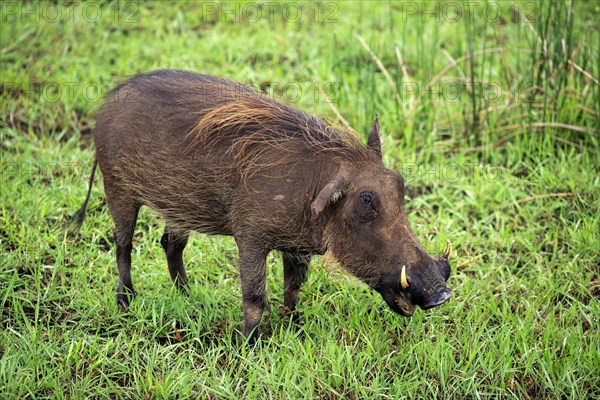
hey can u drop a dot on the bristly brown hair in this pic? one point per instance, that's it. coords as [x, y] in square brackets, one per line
[260, 132]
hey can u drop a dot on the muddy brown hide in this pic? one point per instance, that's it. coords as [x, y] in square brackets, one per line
[213, 156]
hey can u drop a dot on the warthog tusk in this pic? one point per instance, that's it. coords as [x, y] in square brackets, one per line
[448, 250]
[403, 281]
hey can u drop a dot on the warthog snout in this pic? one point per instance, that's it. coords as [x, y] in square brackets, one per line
[437, 300]
[419, 281]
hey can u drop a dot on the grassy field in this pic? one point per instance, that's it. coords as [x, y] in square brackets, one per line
[489, 109]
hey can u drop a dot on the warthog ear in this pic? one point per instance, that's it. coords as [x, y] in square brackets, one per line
[330, 194]
[374, 141]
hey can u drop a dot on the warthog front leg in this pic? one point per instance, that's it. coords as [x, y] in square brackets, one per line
[174, 243]
[253, 278]
[295, 266]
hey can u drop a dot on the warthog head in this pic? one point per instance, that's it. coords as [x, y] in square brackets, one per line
[367, 231]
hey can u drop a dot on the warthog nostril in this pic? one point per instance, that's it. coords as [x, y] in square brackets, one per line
[437, 300]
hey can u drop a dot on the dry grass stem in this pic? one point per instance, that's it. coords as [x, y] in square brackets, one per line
[330, 104]
[448, 67]
[543, 196]
[381, 68]
[584, 72]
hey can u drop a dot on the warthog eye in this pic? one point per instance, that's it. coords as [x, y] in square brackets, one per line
[366, 197]
[366, 206]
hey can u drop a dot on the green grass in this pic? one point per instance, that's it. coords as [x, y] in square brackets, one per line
[513, 181]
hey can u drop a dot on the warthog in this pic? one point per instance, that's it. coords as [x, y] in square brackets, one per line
[214, 156]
